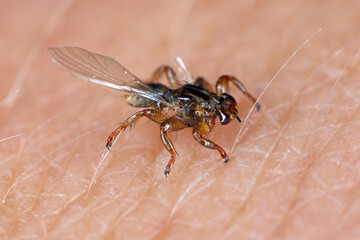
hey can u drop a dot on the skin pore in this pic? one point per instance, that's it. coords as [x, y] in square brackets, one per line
[294, 170]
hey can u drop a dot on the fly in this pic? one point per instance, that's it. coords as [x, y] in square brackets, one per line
[194, 104]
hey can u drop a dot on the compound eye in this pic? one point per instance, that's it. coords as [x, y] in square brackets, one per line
[224, 118]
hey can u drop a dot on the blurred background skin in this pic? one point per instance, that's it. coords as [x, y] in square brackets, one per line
[293, 174]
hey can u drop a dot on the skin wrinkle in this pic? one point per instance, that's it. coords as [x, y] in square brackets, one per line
[181, 200]
[115, 200]
[44, 123]
[78, 217]
[36, 163]
[31, 134]
[320, 113]
[308, 165]
[305, 173]
[67, 204]
[122, 215]
[41, 125]
[291, 108]
[174, 205]
[60, 211]
[104, 156]
[121, 198]
[35, 130]
[268, 85]
[315, 155]
[187, 191]
[40, 160]
[3, 101]
[163, 233]
[341, 74]
[347, 208]
[254, 181]
[30, 209]
[266, 156]
[34, 52]
[212, 48]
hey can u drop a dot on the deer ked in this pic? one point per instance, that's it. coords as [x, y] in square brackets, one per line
[193, 103]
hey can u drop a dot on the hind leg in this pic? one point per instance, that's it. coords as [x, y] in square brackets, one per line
[201, 81]
[169, 73]
[152, 114]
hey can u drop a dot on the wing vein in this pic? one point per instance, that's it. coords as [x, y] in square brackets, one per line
[103, 71]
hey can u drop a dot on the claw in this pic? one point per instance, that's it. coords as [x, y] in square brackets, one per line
[258, 107]
[108, 146]
[166, 172]
[226, 159]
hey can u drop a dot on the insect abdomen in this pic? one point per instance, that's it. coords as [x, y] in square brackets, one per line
[138, 101]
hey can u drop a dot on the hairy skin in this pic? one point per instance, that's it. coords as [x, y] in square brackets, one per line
[293, 174]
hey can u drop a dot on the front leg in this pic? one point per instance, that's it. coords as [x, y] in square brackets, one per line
[152, 114]
[201, 129]
[222, 86]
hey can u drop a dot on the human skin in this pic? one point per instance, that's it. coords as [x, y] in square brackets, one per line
[294, 169]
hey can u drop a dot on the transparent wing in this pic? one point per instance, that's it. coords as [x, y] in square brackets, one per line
[185, 75]
[101, 70]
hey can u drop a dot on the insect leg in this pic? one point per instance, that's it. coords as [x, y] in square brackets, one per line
[222, 86]
[201, 81]
[201, 129]
[152, 114]
[169, 73]
[170, 125]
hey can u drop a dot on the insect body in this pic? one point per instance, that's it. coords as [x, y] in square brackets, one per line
[193, 103]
